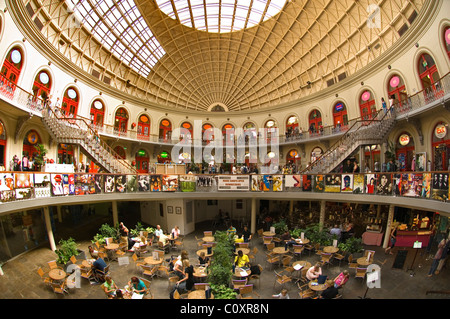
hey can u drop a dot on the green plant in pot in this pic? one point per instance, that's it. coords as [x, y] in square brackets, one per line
[280, 227]
[351, 246]
[39, 157]
[220, 271]
[106, 231]
[67, 249]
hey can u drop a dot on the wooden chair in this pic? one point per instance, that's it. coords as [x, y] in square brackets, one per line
[160, 253]
[270, 246]
[318, 250]
[207, 233]
[339, 257]
[108, 241]
[276, 240]
[86, 273]
[59, 287]
[325, 258]
[148, 270]
[371, 252]
[281, 279]
[53, 265]
[178, 244]
[286, 260]
[260, 233]
[298, 250]
[256, 276]
[164, 247]
[238, 283]
[44, 276]
[252, 254]
[309, 248]
[361, 273]
[176, 295]
[351, 264]
[242, 245]
[305, 292]
[273, 260]
[267, 240]
[246, 292]
[147, 284]
[164, 270]
[100, 275]
[74, 260]
[138, 261]
[172, 281]
[201, 286]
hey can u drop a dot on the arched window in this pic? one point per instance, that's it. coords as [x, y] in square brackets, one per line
[228, 134]
[65, 154]
[121, 122]
[315, 122]
[397, 87]
[367, 105]
[207, 132]
[429, 75]
[340, 117]
[164, 157]
[12, 66]
[142, 160]
[186, 132]
[249, 131]
[31, 139]
[441, 147]
[120, 151]
[3, 146]
[293, 157]
[143, 129]
[97, 113]
[270, 128]
[447, 40]
[42, 85]
[165, 130]
[292, 127]
[405, 152]
[70, 101]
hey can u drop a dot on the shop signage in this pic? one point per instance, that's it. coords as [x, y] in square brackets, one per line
[403, 139]
[440, 131]
[233, 182]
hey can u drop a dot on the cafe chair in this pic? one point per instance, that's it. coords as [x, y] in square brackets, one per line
[275, 260]
[178, 244]
[238, 283]
[252, 254]
[164, 270]
[281, 279]
[361, 273]
[172, 280]
[338, 257]
[138, 261]
[325, 259]
[260, 233]
[256, 276]
[103, 255]
[176, 295]
[100, 275]
[108, 241]
[207, 233]
[270, 246]
[160, 253]
[75, 261]
[53, 265]
[286, 261]
[44, 276]
[141, 250]
[309, 248]
[267, 240]
[150, 271]
[147, 284]
[59, 287]
[318, 250]
[87, 273]
[371, 252]
[305, 292]
[242, 245]
[247, 292]
[164, 247]
[351, 264]
[298, 250]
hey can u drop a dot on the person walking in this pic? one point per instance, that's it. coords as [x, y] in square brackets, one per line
[437, 257]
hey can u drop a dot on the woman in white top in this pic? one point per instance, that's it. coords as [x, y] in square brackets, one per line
[175, 232]
[314, 272]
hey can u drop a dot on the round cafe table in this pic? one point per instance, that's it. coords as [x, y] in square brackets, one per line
[303, 263]
[362, 261]
[208, 239]
[302, 242]
[198, 294]
[245, 251]
[205, 251]
[318, 287]
[151, 261]
[239, 272]
[268, 234]
[57, 274]
[280, 250]
[330, 249]
[87, 263]
[200, 273]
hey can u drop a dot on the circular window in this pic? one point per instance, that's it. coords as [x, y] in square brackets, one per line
[72, 93]
[43, 77]
[16, 56]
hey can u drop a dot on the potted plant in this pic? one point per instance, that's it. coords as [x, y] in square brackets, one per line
[280, 227]
[351, 246]
[220, 271]
[223, 292]
[106, 231]
[67, 249]
[39, 157]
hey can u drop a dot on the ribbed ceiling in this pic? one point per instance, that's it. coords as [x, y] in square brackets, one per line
[303, 49]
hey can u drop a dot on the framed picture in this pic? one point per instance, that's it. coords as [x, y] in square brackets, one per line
[169, 209]
[178, 210]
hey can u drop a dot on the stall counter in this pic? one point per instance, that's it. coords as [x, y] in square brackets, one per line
[407, 238]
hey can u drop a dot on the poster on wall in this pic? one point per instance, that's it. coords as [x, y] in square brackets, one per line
[7, 181]
[98, 183]
[411, 185]
[24, 180]
[347, 183]
[131, 183]
[24, 193]
[293, 181]
[187, 183]
[7, 196]
[306, 183]
[206, 183]
[42, 185]
[69, 184]
[170, 183]
[426, 185]
[319, 183]
[143, 182]
[358, 183]
[333, 183]
[233, 182]
[121, 183]
[277, 183]
[155, 183]
[384, 186]
[110, 184]
[261, 183]
[397, 184]
[57, 184]
[440, 186]
[371, 183]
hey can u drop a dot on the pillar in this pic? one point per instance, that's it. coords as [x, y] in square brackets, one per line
[322, 214]
[291, 208]
[253, 216]
[387, 233]
[115, 212]
[48, 226]
[59, 211]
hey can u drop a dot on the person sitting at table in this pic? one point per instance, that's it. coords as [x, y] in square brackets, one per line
[288, 239]
[282, 295]
[203, 260]
[158, 231]
[331, 292]
[246, 234]
[98, 267]
[175, 232]
[231, 231]
[93, 252]
[137, 285]
[109, 287]
[241, 260]
[119, 294]
[314, 272]
[336, 231]
[347, 232]
[341, 279]
[178, 265]
[187, 283]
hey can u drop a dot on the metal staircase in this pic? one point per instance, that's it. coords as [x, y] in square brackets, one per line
[77, 131]
[362, 132]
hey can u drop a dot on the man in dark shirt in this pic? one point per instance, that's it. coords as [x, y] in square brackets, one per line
[99, 266]
[246, 234]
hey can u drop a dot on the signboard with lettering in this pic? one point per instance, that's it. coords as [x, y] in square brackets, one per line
[233, 182]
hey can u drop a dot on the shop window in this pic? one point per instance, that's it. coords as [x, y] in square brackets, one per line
[292, 129]
[405, 151]
[11, 68]
[441, 147]
[397, 87]
[315, 122]
[42, 85]
[367, 105]
[165, 130]
[340, 117]
[69, 106]
[97, 113]
[429, 77]
[143, 129]
[142, 161]
[31, 140]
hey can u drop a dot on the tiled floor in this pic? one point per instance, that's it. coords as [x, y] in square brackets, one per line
[21, 281]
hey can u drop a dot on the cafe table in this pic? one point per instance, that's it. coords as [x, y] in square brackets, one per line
[208, 239]
[242, 272]
[362, 261]
[280, 250]
[199, 294]
[314, 286]
[303, 241]
[268, 234]
[200, 272]
[152, 261]
[245, 251]
[299, 265]
[330, 249]
[205, 251]
[57, 274]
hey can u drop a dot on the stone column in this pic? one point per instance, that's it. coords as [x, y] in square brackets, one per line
[322, 213]
[115, 213]
[48, 226]
[253, 216]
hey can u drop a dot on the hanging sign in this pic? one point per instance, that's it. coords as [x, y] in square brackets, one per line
[403, 139]
[440, 131]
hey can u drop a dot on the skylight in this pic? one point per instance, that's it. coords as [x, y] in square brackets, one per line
[119, 26]
[221, 16]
